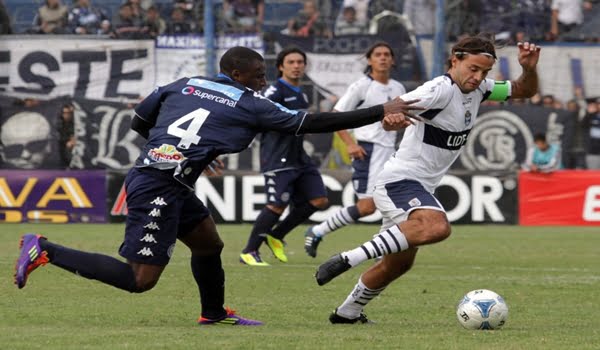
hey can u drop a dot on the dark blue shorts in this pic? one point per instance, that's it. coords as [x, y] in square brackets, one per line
[294, 185]
[160, 210]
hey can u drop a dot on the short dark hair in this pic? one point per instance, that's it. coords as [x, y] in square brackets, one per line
[240, 58]
[478, 44]
[372, 48]
[283, 53]
[539, 137]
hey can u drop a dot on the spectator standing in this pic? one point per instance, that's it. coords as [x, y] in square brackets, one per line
[178, 23]
[244, 16]
[566, 15]
[154, 25]
[126, 25]
[137, 11]
[308, 22]
[421, 14]
[52, 18]
[348, 24]
[591, 123]
[543, 157]
[362, 10]
[66, 134]
[87, 19]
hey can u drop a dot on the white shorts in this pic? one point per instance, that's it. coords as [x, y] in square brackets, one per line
[396, 200]
[365, 171]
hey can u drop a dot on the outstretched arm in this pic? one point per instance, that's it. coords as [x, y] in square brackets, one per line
[527, 84]
[395, 112]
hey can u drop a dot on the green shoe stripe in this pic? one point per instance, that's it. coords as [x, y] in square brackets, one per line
[33, 253]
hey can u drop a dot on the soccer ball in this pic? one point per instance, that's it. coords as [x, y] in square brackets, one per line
[482, 309]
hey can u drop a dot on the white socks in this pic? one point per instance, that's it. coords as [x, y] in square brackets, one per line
[386, 242]
[339, 219]
[356, 301]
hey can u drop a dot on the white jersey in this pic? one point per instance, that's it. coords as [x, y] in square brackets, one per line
[364, 93]
[429, 148]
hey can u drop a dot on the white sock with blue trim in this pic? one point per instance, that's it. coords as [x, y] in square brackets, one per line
[386, 242]
[360, 296]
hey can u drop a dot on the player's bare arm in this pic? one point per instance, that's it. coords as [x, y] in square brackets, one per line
[526, 85]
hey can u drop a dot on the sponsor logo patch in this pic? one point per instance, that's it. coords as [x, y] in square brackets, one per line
[166, 154]
[415, 202]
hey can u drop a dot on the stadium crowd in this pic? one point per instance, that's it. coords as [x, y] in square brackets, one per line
[535, 20]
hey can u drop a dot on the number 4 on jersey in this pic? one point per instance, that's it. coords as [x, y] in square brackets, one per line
[188, 136]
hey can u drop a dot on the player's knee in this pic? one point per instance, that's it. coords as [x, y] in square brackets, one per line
[320, 203]
[144, 284]
[441, 230]
[366, 207]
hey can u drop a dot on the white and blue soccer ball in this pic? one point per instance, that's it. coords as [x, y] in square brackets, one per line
[482, 309]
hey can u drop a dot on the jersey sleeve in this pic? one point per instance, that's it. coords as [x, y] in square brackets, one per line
[149, 108]
[272, 116]
[352, 98]
[434, 96]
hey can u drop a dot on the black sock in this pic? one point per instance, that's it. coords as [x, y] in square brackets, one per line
[297, 215]
[94, 266]
[264, 222]
[210, 277]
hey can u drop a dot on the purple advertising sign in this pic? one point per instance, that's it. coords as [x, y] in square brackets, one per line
[52, 196]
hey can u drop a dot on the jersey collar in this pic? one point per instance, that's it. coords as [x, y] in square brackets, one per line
[295, 88]
[224, 76]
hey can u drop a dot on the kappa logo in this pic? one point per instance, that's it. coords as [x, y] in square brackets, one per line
[145, 252]
[158, 201]
[152, 226]
[148, 238]
[155, 212]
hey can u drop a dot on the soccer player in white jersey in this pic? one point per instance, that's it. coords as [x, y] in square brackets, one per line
[412, 216]
[373, 145]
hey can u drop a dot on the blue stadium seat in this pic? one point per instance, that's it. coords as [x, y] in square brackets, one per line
[23, 15]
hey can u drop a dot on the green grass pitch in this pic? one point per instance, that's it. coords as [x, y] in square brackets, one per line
[549, 276]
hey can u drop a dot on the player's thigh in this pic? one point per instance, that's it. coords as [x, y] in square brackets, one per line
[197, 229]
[309, 186]
[153, 217]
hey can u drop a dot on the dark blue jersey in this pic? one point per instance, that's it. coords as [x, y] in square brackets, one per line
[197, 119]
[284, 151]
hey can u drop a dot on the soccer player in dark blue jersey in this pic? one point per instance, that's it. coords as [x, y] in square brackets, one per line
[290, 174]
[189, 123]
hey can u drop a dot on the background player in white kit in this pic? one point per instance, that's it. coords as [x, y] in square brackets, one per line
[373, 145]
[412, 216]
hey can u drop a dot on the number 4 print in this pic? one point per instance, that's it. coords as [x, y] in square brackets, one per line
[188, 136]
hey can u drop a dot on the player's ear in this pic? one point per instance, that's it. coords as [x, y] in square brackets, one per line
[454, 61]
[235, 74]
